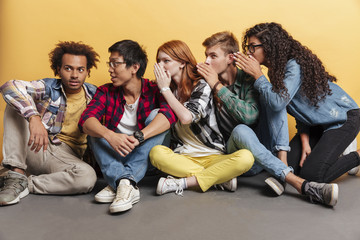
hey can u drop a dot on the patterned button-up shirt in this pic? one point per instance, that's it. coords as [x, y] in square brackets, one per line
[45, 98]
[203, 124]
[108, 104]
[240, 104]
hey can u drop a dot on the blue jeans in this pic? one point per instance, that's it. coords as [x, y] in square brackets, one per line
[133, 166]
[243, 137]
[272, 130]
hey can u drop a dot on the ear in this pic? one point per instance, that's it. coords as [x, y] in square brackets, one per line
[229, 58]
[182, 65]
[135, 67]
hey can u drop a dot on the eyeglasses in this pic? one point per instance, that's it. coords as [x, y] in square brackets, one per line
[114, 64]
[251, 47]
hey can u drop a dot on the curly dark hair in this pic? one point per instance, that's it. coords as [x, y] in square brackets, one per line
[74, 48]
[279, 47]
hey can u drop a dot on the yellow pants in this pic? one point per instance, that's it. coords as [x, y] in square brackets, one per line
[208, 170]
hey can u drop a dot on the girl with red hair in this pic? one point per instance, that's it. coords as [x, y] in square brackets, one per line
[197, 155]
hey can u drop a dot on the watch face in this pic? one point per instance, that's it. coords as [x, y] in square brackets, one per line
[139, 135]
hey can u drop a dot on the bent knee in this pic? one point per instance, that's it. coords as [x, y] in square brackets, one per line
[245, 159]
[241, 130]
[242, 134]
[84, 178]
[156, 155]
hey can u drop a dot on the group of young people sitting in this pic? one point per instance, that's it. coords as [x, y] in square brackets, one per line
[223, 116]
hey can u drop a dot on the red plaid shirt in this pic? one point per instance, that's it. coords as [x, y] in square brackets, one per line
[108, 104]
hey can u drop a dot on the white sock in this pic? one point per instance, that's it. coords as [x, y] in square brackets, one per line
[183, 183]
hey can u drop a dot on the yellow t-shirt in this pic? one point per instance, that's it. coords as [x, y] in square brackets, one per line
[70, 133]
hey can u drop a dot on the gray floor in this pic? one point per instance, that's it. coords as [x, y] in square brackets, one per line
[252, 212]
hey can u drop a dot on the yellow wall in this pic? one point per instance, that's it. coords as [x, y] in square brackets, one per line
[30, 29]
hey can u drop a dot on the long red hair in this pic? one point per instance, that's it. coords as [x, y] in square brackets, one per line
[179, 51]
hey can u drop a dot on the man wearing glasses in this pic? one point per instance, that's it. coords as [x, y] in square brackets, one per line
[238, 112]
[125, 119]
[41, 136]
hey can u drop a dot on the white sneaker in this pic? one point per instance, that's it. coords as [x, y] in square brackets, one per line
[107, 195]
[275, 185]
[126, 196]
[170, 184]
[353, 171]
[230, 185]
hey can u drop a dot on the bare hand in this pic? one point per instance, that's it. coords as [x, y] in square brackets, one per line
[38, 135]
[163, 78]
[122, 143]
[208, 73]
[248, 64]
[305, 153]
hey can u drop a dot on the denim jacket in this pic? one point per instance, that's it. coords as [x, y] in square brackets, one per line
[330, 113]
[45, 98]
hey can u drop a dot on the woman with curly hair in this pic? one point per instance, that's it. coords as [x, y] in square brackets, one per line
[327, 118]
[197, 159]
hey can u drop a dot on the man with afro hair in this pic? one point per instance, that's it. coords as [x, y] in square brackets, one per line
[42, 145]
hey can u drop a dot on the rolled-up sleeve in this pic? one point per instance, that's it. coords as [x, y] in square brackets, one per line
[165, 109]
[96, 107]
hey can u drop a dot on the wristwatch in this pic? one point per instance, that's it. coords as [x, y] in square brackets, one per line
[139, 135]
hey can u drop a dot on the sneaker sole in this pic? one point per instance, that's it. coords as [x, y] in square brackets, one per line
[17, 199]
[353, 171]
[334, 195]
[125, 207]
[274, 187]
[159, 186]
[104, 199]
[233, 185]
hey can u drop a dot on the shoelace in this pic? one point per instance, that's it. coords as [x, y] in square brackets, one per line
[13, 183]
[123, 192]
[223, 186]
[108, 189]
[314, 195]
[219, 187]
[179, 190]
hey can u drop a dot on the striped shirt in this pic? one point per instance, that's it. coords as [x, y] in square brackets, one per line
[45, 98]
[240, 104]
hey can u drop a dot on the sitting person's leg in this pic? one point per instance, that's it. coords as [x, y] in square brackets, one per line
[123, 173]
[323, 164]
[16, 135]
[222, 168]
[54, 171]
[164, 159]
[59, 170]
[243, 137]
[178, 165]
[198, 171]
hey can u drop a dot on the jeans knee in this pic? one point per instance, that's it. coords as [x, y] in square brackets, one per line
[241, 133]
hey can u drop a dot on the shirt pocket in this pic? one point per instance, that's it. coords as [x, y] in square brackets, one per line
[50, 115]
